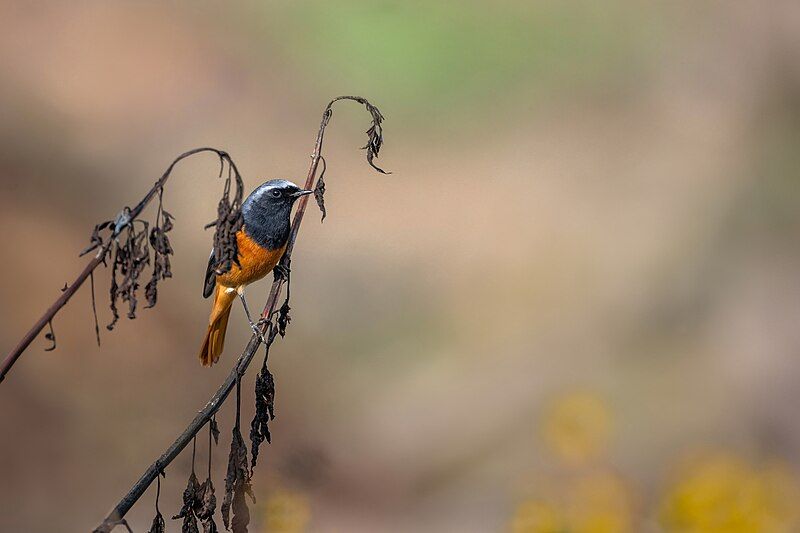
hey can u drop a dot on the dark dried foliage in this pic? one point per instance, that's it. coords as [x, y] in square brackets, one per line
[214, 428]
[374, 136]
[319, 190]
[209, 505]
[265, 412]
[373, 146]
[130, 256]
[162, 249]
[229, 220]
[237, 484]
[209, 499]
[158, 525]
[281, 271]
[374, 133]
[132, 244]
[237, 478]
[51, 336]
[96, 240]
[283, 317]
[192, 503]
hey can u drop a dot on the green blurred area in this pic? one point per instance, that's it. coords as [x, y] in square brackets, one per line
[459, 62]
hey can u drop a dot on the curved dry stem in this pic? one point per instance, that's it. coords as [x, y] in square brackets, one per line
[125, 221]
[268, 330]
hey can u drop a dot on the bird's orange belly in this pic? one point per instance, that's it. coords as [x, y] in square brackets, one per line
[255, 262]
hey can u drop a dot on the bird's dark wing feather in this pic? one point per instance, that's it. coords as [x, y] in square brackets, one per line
[211, 277]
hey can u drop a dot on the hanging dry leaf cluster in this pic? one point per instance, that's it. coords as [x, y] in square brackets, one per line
[133, 245]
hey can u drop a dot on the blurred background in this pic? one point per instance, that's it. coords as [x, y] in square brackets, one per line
[573, 306]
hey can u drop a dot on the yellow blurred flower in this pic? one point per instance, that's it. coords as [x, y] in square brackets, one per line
[725, 494]
[600, 502]
[537, 517]
[594, 502]
[286, 512]
[577, 427]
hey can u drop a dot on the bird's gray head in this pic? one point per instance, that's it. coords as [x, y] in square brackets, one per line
[275, 193]
[266, 212]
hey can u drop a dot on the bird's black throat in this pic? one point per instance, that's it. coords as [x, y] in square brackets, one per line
[267, 224]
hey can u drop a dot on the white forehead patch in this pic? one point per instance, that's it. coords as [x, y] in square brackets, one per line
[268, 186]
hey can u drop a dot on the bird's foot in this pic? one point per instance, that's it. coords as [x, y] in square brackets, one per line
[256, 327]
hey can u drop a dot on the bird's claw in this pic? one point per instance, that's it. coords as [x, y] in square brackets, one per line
[255, 326]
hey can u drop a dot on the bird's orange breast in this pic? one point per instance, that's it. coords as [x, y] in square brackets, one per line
[255, 262]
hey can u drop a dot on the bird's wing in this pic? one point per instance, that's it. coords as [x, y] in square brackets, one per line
[211, 277]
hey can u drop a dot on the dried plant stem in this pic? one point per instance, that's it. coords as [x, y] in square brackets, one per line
[99, 258]
[48, 315]
[268, 329]
[180, 443]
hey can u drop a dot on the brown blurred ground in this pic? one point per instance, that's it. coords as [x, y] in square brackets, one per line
[586, 196]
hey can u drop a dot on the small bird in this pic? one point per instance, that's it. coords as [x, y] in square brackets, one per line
[261, 242]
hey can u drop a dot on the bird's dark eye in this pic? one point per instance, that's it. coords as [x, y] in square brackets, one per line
[276, 193]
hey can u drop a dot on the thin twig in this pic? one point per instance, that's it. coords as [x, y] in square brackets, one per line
[94, 310]
[126, 217]
[48, 315]
[268, 330]
[183, 439]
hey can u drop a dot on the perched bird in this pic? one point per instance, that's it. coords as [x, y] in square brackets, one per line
[261, 242]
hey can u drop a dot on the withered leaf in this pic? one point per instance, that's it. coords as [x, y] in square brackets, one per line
[265, 404]
[113, 290]
[374, 133]
[151, 292]
[319, 196]
[134, 240]
[158, 525]
[131, 254]
[283, 317]
[162, 249]
[283, 270]
[241, 513]
[206, 512]
[192, 502]
[319, 189]
[167, 221]
[237, 484]
[51, 336]
[214, 429]
[95, 240]
[229, 222]
[189, 524]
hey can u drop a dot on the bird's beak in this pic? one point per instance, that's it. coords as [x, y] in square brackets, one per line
[300, 193]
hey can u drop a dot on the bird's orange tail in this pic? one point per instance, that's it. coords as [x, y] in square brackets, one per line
[217, 324]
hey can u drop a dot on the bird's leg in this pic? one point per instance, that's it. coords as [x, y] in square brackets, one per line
[253, 325]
